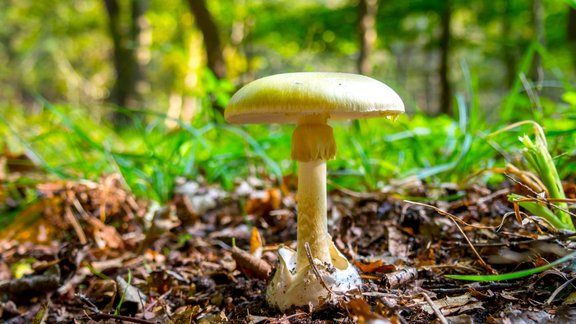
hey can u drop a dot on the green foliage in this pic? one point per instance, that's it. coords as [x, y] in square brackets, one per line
[514, 275]
[539, 160]
[48, 52]
[69, 143]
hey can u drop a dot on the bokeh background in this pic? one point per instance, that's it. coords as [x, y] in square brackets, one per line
[138, 86]
[167, 55]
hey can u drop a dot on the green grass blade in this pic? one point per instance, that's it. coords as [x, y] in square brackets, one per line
[513, 275]
[37, 158]
[256, 148]
[365, 162]
[129, 282]
[541, 211]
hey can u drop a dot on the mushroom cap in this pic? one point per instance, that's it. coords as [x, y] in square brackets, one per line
[285, 98]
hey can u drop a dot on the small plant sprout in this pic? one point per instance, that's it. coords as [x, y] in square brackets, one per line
[310, 100]
[550, 200]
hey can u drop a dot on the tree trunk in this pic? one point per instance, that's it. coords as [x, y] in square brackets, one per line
[127, 66]
[507, 46]
[538, 21]
[209, 30]
[141, 37]
[571, 33]
[367, 10]
[444, 71]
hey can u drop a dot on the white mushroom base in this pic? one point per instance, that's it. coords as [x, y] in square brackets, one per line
[302, 288]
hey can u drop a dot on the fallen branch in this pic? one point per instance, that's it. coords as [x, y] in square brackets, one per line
[436, 310]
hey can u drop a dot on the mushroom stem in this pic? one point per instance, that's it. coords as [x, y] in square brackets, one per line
[312, 144]
[312, 226]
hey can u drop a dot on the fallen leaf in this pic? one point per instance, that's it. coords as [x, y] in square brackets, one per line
[251, 265]
[374, 266]
[453, 305]
[41, 315]
[262, 202]
[132, 297]
[358, 307]
[32, 285]
[256, 242]
[396, 242]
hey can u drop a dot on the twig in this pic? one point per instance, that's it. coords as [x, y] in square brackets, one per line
[88, 303]
[381, 294]
[558, 290]
[456, 220]
[75, 224]
[97, 314]
[437, 311]
[491, 286]
[528, 180]
[400, 277]
[504, 220]
[355, 194]
[101, 315]
[493, 195]
[548, 202]
[517, 243]
[314, 269]
[401, 318]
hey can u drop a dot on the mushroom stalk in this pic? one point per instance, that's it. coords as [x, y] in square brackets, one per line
[312, 226]
[312, 144]
[297, 282]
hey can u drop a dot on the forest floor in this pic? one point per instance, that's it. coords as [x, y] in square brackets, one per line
[89, 251]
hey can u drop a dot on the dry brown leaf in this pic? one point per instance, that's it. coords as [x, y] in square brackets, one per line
[102, 293]
[374, 266]
[453, 305]
[186, 314]
[27, 287]
[359, 308]
[263, 202]
[251, 265]
[396, 242]
[256, 242]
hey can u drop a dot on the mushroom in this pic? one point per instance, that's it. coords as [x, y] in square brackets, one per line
[310, 99]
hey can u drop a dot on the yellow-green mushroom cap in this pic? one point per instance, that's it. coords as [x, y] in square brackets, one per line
[286, 98]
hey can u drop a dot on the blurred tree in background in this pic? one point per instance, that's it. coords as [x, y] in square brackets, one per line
[176, 56]
[130, 43]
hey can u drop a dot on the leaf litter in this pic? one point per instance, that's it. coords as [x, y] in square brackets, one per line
[90, 251]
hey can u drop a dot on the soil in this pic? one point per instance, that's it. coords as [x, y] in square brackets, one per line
[90, 252]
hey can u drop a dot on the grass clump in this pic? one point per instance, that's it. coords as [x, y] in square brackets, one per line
[549, 200]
